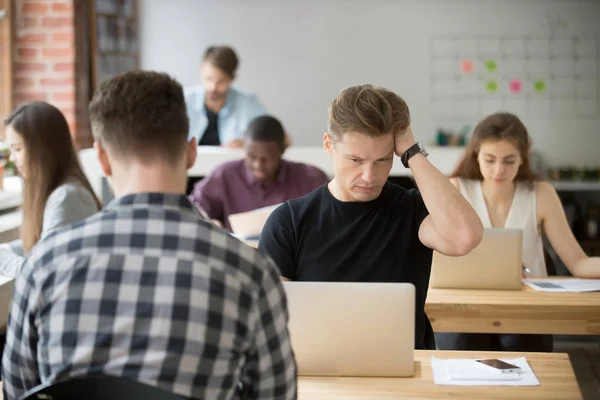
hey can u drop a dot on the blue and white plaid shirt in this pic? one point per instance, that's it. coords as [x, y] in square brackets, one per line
[147, 289]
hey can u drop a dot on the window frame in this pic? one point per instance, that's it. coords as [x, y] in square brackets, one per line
[6, 60]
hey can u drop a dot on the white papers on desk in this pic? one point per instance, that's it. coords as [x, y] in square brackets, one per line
[249, 224]
[468, 372]
[563, 285]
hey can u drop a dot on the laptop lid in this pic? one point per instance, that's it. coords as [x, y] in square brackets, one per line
[495, 264]
[352, 329]
[249, 224]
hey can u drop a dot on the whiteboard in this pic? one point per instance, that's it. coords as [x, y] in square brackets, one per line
[554, 77]
[297, 55]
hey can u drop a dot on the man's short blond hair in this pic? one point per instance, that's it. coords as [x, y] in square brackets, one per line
[367, 109]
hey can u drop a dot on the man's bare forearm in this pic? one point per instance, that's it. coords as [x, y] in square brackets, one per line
[454, 218]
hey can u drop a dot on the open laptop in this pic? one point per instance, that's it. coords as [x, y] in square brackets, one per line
[249, 224]
[495, 264]
[352, 329]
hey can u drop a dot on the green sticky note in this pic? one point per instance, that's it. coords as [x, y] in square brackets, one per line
[491, 65]
[491, 86]
[539, 86]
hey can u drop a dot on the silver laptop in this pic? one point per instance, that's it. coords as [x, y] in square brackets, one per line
[495, 264]
[352, 329]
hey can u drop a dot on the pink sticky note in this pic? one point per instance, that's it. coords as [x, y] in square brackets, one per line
[515, 86]
[466, 66]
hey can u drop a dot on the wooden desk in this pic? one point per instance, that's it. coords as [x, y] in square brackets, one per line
[513, 311]
[553, 370]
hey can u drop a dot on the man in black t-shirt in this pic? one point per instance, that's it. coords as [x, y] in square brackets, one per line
[361, 228]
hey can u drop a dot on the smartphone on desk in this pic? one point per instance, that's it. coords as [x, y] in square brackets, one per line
[500, 365]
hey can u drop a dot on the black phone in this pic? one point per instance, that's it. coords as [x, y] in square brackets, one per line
[500, 365]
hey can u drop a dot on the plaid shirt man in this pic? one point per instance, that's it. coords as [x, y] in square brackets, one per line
[146, 289]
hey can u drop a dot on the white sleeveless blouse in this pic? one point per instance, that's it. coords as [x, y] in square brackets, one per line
[522, 215]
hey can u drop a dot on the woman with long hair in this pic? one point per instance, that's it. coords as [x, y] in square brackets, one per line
[496, 178]
[56, 192]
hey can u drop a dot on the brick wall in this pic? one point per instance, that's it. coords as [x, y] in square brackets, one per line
[45, 58]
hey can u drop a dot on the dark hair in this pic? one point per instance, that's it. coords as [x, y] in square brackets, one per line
[266, 129]
[368, 109]
[142, 115]
[50, 161]
[222, 57]
[495, 127]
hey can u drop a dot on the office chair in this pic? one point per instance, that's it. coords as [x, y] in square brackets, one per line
[98, 387]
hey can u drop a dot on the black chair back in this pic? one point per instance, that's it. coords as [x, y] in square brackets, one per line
[98, 387]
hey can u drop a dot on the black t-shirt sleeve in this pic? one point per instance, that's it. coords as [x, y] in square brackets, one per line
[277, 240]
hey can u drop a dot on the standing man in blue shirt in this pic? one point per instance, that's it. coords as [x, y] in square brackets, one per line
[219, 113]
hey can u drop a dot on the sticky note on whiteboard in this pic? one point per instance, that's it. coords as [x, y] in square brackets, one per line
[491, 87]
[467, 66]
[515, 86]
[539, 86]
[491, 65]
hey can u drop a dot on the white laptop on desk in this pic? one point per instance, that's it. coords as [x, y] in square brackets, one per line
[495, 264]
[7, 286]
[352, 329]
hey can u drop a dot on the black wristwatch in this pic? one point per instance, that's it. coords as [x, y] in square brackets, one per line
[412, 150]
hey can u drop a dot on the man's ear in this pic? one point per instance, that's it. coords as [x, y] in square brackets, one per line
[287, 141]
[192, 153]
[103, 159]
[328, 143]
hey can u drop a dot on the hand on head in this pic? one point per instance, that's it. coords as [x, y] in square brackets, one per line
[404, 141]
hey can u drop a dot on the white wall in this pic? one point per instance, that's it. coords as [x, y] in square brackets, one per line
[298, 54]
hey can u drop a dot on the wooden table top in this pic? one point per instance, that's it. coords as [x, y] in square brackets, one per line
[553, 370]
[513, 311]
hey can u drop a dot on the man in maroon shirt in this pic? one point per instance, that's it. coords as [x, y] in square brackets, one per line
[262, 179]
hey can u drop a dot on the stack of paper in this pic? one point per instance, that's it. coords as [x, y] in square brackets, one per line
[468, 372]
[563, 285]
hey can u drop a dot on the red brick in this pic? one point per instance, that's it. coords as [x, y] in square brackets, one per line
[30, 22]
[67, 96]
[30, 67]
[62, 7]
[32, 38]
[27, 52]
[24, 83]
[58, 52]
[72, 128]
[64, 67]
[68, 111]
[57, 22]
[30, 96]
[67, 36]
[36, 7]
[58, 82]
